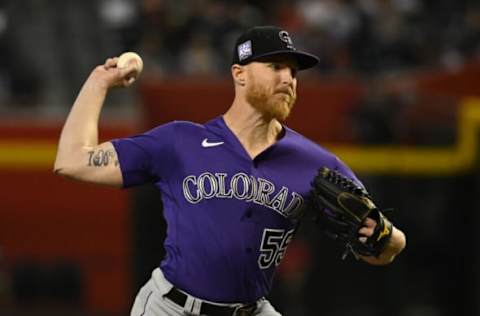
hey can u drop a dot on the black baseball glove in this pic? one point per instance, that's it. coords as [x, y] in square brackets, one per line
[341, 206]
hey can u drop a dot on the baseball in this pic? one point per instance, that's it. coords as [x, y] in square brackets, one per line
[131, 57]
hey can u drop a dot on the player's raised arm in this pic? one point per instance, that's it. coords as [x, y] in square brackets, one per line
[79, 156]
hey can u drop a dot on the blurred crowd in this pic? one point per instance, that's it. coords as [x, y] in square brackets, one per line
[49, 47]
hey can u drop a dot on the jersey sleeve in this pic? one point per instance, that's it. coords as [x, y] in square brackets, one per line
[146, 157]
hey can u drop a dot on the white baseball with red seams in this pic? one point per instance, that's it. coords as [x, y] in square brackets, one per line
[127, 58]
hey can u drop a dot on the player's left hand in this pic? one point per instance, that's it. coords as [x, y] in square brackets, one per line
[347, 213]
[367, 229]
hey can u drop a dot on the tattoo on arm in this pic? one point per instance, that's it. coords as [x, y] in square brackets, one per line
[102, 158]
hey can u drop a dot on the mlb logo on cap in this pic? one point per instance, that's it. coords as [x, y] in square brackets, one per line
[244, 50]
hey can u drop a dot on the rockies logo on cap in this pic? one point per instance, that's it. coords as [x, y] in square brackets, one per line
[285, 37]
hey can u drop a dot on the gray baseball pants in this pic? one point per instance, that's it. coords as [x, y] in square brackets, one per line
[150, 301]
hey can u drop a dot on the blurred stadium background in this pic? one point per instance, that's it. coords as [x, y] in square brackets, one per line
[397, 96]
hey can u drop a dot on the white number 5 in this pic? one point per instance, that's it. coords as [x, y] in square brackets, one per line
[273, 247]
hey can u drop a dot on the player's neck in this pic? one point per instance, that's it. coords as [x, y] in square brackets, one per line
[254, 131]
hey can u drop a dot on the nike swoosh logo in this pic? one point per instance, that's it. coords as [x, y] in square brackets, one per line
[206, 144]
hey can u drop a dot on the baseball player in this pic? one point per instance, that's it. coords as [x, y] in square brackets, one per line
[232, 188]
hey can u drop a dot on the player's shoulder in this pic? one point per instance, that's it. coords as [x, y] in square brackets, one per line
[307, 146]
[187, 125]
[176, 127]
[311, 151]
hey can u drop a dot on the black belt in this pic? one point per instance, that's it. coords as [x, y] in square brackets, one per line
[180, 298]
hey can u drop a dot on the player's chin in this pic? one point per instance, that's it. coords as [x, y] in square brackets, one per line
[283, 109]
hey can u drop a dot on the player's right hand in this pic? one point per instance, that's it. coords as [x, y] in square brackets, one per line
[109, 75]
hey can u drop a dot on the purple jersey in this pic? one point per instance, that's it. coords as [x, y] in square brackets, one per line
[227, 215]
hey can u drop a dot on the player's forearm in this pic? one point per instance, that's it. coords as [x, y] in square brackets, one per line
[396, 244]
[81, 127]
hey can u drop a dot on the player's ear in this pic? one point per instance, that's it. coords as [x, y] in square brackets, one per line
[238, 74]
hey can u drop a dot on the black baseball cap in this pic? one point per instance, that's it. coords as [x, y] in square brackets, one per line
[261, 42]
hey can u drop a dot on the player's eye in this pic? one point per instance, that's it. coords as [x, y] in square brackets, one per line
[294, 72]
[275, 66]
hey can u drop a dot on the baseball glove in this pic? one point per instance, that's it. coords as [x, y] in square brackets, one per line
[341, 207]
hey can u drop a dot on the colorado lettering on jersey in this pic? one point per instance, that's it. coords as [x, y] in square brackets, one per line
[242, 187]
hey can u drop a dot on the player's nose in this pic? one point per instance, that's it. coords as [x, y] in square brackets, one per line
[287, 79]
[286, 76]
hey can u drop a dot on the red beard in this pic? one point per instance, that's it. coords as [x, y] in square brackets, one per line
[277, 104]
